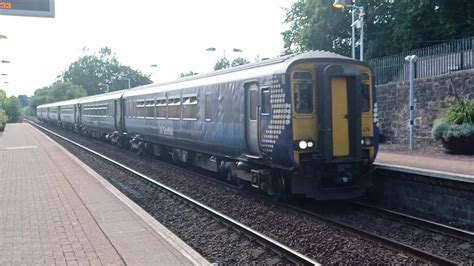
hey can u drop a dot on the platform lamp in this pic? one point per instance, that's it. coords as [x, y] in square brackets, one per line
[104, 85]
[234, 50]
[121, 76]
[359, 23]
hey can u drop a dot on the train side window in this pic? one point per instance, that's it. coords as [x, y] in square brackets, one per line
[150, 109]
[265, 101]
[161, 108]
[174, 108]
[141, 108]
[365, 98]
[190, 107]
[208, 107]
[253, 105]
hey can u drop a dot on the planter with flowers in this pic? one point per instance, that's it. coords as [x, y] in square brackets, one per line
[456, 128]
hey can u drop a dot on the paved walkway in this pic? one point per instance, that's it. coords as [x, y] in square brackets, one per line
[430, 163]
[56, 210]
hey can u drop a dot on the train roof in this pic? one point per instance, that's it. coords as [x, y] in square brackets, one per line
[248, 71]
[102, 97]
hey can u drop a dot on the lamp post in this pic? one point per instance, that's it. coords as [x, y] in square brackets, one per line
[127, 79]
[104, 85]
[121, 77]
[359, 23]
[411, 106]
[234, 50]
[153, 66]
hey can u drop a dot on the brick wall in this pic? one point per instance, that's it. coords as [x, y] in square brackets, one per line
[432, 95]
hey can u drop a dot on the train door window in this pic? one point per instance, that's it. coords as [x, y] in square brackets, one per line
[208, 107]
[253, 104]
[303, 92]
[265, 101]
[190, 107]
[365, 93]
[365, 98]
[161, 108]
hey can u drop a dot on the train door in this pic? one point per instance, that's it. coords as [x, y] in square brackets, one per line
[78, 114]
[339, 114]
[117, 115]
[251, 118]
[340, 122]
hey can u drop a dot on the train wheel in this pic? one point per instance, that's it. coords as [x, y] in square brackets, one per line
[281, 186]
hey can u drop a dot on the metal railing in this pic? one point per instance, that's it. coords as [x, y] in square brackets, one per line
[432, 61]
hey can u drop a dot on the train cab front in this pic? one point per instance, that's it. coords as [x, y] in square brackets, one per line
[334, 129]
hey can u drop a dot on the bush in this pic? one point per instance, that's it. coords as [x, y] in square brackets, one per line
[460, 113]
[444, 130]
[457, 122]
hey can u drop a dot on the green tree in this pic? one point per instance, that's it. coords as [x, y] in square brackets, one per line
[391, 26]
[13, 110]
[188, 74]
[59, 91]
[3, 116]
[104, 67]
[222, 63]
[3, 99]
[239, 61]
[24, 100]
[316, 25]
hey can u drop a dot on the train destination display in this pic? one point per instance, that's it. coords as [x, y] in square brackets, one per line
[29, 8]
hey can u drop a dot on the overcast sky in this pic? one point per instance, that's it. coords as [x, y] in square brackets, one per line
[171, 34]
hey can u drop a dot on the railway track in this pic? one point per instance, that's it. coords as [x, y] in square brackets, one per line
[394, 245]
[418, 222]
[289, 254]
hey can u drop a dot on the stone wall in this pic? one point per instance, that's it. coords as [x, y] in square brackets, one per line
[432, 97]
[437, 199]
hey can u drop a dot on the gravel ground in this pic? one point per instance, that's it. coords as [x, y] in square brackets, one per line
[309, 236]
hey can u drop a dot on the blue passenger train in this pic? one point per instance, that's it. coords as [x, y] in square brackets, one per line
[299, 124]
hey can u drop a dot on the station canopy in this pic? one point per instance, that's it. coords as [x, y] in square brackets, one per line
[28, 8]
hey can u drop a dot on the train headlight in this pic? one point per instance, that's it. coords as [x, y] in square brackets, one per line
[368, 141]
[310, 144]
[303, 145]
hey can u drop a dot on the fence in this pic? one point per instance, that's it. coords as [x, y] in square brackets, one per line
[432, 61]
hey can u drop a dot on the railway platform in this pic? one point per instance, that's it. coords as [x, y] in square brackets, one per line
[56, 210]
[447, 168]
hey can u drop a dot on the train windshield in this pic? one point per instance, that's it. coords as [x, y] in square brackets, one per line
[303, 92]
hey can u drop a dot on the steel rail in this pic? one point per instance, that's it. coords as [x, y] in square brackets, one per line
[418, 222]
[276, 246]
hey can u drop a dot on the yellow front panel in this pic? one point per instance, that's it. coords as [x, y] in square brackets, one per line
[340, 123]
